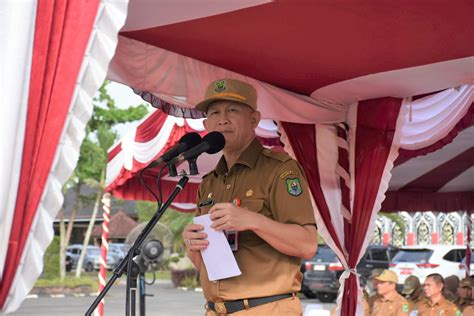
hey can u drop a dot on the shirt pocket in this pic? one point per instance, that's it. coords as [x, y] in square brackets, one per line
[255, 205]
[204, 206]
[248, 237]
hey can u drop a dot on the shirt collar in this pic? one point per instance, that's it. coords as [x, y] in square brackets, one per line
[440, 302]
[391, 297]
[248, 157]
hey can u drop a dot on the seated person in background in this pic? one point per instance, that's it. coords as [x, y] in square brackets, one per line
[435, 304]
[413, 291]
[390, 303]
[451, 284]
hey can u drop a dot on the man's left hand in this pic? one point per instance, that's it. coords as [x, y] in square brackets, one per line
[227, 216]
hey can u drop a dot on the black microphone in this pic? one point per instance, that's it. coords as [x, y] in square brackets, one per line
[189, 140]
[211, 144]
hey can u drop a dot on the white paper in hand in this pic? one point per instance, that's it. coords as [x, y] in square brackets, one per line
[218, 257]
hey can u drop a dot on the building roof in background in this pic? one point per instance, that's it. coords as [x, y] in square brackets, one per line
[120, 225]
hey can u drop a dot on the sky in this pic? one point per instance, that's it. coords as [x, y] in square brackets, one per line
[124, 97]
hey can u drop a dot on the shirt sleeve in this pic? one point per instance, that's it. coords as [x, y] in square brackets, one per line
[290, 200]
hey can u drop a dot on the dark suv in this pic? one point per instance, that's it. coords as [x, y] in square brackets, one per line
[322, 272]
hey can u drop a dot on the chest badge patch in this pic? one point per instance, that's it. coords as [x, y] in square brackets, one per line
[405, 308]
[249, 193]
[293, 186]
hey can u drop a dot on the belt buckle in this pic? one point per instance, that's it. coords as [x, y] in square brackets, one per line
[220, 307]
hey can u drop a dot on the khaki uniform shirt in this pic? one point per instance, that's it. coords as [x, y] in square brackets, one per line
[442, 307]
[394, 305]
[273, 185]
[371, 300]
[463, 304]
[412, 304]
[468, 310]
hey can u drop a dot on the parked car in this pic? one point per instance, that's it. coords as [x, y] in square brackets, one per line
[424, 260]
[321, 273]
[91, 259]
[118, 251]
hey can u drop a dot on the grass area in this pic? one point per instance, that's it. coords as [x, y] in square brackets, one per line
[91, 278]
[70, 282]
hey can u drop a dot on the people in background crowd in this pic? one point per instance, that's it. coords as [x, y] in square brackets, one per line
[451, 284]
[390, 303]
[413, 291]
[465, 298]
[435, 304]
[372, 287]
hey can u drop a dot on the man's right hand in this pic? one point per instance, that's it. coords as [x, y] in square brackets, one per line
[195, 240]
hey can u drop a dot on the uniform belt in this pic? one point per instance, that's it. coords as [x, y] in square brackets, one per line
[230, 307]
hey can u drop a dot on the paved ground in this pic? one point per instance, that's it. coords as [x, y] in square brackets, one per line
[167, 301]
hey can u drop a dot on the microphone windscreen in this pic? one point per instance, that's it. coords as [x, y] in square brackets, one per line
[191, 140]
[216, 142]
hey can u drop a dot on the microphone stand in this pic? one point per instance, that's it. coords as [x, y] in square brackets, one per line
[134, 250]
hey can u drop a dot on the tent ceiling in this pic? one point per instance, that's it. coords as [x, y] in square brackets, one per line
[314, 44]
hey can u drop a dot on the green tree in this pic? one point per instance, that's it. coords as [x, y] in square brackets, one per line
[92, 164]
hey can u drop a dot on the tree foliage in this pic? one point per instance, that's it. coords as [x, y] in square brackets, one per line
[100, 136]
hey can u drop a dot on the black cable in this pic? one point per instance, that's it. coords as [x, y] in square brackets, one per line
[152, 281]
[158, 185]
[142, 181]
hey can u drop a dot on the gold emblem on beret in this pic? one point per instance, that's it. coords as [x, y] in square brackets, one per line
[249, 193]
[209, 196]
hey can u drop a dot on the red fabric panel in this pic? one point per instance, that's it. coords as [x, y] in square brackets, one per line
[302, 138]
[397, 201]
[149, 128]
[465, 122]
[114, 151]
[376, 123]
[175, 135]
[132, 189]
[265, 46]
[62, 31]
[435, 179]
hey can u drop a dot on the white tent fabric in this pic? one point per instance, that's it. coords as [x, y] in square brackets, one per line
[181, 80]
[444, 110]
[103, 40]
[16, 62]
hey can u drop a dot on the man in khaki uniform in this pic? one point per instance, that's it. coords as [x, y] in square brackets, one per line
[390, 303]
[436, 304]
[413, 291]
[263, 196]
[372, 284]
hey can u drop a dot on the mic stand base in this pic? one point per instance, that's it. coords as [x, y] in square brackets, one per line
[119, 270]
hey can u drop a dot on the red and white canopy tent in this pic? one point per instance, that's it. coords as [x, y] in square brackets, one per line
[314, 63]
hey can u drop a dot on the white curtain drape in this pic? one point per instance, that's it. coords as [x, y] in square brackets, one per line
[431, 118]
[17, 25]
[103, 40]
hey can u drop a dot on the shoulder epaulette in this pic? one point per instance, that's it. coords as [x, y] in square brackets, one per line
[281, 156]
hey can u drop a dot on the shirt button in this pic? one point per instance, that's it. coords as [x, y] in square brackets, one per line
[227, 186]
